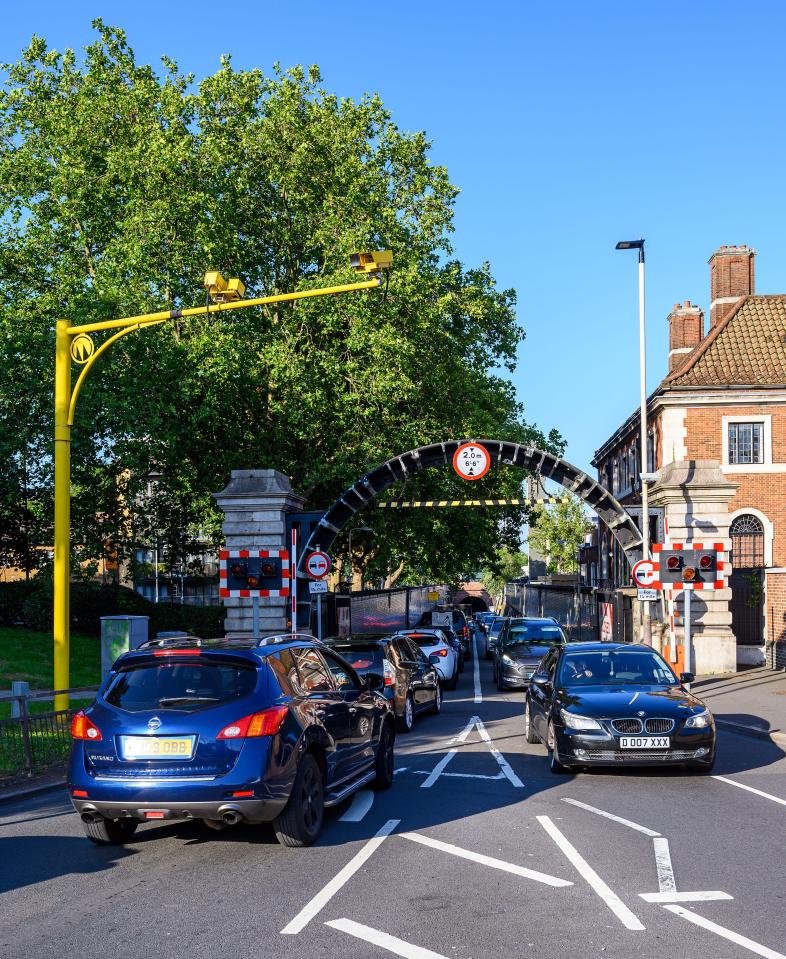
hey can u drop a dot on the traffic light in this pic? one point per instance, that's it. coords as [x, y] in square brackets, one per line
[254, 573]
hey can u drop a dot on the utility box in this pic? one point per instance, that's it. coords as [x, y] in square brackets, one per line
[119, 634]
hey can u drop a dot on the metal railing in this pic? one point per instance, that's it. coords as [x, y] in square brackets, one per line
[32, 740]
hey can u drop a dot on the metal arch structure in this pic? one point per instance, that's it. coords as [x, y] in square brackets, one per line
[438, 455]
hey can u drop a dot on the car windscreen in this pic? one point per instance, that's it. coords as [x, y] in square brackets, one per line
[182, 686]
[534, 634]
[362, 658]
[627, 667]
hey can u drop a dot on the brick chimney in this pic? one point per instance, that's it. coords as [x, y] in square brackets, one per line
[686, 331]
[731, 276]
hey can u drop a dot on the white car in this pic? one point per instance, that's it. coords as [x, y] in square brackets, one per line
[435, 646]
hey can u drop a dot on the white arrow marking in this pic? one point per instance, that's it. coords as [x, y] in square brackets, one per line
[503, 764]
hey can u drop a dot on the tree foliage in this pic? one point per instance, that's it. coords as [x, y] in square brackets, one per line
[120, 186]
[556, 532]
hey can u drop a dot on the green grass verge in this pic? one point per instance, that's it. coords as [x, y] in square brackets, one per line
[28, 655]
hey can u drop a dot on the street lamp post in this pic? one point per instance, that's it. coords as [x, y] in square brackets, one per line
[356, 529]
[644, 473]
[74, 344]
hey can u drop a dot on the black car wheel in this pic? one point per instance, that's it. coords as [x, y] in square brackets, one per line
[554, 764]
[385, 761]
[529, 729]
[437, 707]
[407, 719]
[300, 822]
[110, 832]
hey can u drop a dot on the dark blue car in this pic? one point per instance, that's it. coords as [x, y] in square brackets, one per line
[226, 732]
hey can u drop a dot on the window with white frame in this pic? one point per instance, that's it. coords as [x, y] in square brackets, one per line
[746, 443]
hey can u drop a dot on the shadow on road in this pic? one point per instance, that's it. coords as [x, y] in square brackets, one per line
[27, 860]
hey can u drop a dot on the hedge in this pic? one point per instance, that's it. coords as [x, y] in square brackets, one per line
[30, 603]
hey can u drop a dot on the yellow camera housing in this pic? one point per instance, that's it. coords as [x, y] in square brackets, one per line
[374, 262]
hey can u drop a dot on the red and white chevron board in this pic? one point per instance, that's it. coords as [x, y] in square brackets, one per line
[226, 554]
[720, 549]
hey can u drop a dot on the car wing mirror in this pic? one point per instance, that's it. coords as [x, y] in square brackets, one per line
[374, 681]
[433, 659]
[541, 679]
[687, 677]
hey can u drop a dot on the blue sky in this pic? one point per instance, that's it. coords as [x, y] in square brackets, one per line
[567, 126]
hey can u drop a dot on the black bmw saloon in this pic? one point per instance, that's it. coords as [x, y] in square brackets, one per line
[616, 704]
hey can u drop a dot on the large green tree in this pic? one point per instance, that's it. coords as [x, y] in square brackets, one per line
[120, 186]
[556, 532]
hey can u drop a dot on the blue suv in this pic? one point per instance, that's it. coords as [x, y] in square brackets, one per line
[227, 732]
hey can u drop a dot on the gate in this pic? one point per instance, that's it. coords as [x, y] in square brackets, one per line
[747, 606]
[747, 580]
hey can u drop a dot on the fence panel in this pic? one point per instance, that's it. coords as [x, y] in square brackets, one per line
[33, 741]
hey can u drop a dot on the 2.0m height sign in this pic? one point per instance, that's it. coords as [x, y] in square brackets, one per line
[471, 461]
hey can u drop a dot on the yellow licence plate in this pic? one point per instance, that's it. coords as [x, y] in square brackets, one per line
[153, 747]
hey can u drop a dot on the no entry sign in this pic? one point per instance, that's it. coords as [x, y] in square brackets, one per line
[471, 461]
[317, 564]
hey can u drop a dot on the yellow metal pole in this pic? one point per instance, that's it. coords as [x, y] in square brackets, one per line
[62, 574]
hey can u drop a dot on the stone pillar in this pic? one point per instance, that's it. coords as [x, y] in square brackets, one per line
[255, 505]
[695, 495]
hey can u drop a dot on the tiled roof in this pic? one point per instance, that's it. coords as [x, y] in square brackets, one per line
[747, 348]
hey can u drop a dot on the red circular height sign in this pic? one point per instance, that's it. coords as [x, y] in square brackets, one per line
[317, 564]
[471, 461]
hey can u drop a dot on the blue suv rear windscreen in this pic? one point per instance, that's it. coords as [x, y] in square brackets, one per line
[182, 686]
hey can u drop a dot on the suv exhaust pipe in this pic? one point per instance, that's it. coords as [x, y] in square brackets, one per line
[89, 817]
[231, 815]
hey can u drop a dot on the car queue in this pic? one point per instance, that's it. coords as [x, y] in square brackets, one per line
[281, 729]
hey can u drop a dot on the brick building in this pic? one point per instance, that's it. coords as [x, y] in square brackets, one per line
[723, 399]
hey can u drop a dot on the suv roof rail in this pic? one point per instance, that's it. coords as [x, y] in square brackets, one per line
[274, 639]
[168, 641]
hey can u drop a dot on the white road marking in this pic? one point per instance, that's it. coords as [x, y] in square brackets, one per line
[383, 939]
[612, 900]
[425, 772]
[666, 880]
[476, 672]
[750, 789]
[609, 815]
[667, 884]
[362, 801]
[709, 895]
[726, 933]
[503, 764]
[436, 772]
[323, 897]
[485, 860]
[401, 769]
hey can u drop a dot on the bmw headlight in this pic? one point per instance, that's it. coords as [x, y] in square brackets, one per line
[572, 721]
[699, 720]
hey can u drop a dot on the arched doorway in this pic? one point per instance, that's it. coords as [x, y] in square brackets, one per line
[747, 579]
[502, 452]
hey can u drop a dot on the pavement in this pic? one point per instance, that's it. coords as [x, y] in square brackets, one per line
[752, 702]
[477, 852]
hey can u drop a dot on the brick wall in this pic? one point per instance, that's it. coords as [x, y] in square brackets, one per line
[765, 491]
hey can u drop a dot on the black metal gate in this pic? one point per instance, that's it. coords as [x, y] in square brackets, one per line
[747, 606]
[747, 580]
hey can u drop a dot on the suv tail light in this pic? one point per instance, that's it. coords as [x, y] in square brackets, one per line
[439, 652]
[389, 674]
[266, 723]
[84, 728]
